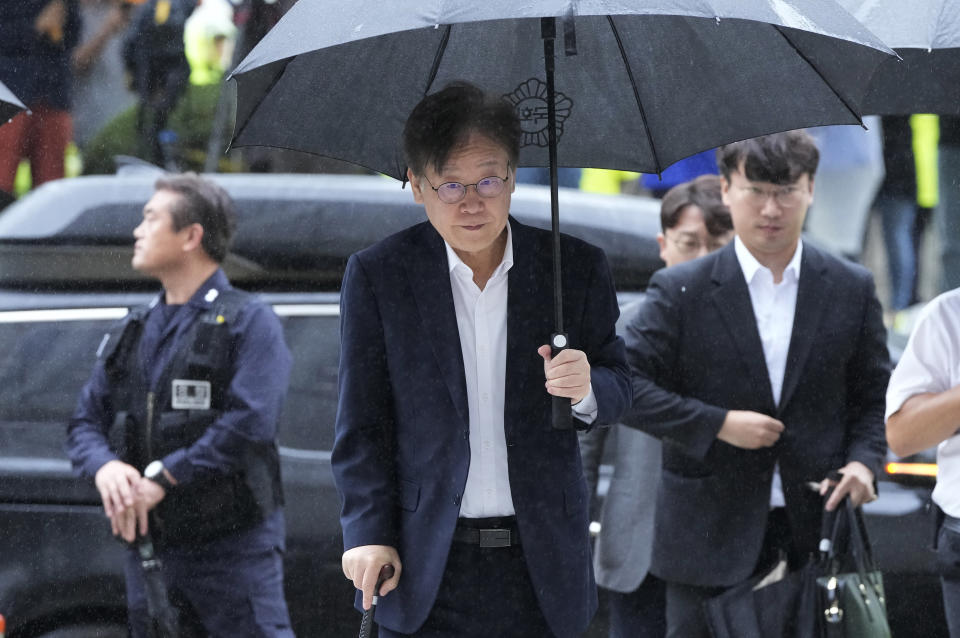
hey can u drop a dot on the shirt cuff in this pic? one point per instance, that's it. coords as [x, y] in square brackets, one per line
[586, 410]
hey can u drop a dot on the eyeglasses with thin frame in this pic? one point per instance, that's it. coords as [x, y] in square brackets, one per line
[784, 196]
[688, 245]
[453, 192]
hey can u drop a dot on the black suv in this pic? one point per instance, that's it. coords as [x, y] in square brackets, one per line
[65, 276]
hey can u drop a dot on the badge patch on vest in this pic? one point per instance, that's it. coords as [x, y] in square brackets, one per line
[190, 395]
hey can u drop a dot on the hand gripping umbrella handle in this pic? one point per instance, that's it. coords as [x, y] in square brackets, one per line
[562, 417]
[366, 624]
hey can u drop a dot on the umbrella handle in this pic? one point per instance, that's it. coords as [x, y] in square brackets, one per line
[562, 417]
[366, 624]
[828, 519]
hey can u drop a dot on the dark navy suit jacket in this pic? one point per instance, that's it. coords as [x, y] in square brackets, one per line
[401, 452]
[695, 353]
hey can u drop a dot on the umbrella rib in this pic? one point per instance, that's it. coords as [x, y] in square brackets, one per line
[263, 96]
[636, 93]
[437, 58]
[813, 66]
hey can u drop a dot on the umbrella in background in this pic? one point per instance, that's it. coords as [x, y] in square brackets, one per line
[10, 105]
[634, 85]
[926, 34]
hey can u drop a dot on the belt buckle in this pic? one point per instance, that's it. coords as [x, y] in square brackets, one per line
[494, 537]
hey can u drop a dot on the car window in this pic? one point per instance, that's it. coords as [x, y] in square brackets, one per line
[44, 364]
[313, 336]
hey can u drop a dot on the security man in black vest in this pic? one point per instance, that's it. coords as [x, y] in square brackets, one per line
[177, 425]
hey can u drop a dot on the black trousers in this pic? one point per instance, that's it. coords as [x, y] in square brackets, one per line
[485, 592]
[685, 613]
[948, 563]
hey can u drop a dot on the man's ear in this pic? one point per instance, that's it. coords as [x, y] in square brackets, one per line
[662, 242]
[725, 190]
[415, 186]
[194, 237]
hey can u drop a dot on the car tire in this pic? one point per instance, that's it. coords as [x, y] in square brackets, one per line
[88, 631]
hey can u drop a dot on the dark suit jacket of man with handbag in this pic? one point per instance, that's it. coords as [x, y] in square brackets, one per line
[699, 354]
[417, 431]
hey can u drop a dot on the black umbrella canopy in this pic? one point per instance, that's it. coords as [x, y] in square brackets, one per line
[640, 84]
[926, 35]
[631, 85]
[10, 105]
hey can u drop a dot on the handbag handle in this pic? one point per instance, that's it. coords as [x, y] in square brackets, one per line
[848, 523]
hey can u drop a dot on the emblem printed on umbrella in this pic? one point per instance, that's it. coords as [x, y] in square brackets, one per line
[530, 101]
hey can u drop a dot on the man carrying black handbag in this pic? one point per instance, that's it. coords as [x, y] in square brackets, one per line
[761, 367]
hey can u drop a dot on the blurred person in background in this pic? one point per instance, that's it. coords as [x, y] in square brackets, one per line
[37, 38]
[948, 210]
[155, 58]
[694, 221]
[100, 89]
[897, 203]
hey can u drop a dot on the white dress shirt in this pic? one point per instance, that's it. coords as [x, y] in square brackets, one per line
[482, 324]
[931, 364]
[774, 305]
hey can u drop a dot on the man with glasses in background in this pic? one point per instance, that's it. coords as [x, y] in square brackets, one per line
[446, 462]
[694, 221]
[761, 367]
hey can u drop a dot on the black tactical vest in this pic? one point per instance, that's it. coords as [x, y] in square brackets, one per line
[189, 397]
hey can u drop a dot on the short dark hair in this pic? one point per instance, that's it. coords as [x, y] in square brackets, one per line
[704, 193]
[445, 119]
[780, 158]
[205, 203]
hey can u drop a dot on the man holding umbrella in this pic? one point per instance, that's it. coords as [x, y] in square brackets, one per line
[445, 458]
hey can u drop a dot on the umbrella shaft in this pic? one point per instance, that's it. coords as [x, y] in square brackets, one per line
[548, 30]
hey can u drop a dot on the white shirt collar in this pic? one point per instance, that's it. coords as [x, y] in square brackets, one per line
[750, 266]
[453, 260]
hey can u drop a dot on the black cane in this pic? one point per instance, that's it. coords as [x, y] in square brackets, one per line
[386, 573]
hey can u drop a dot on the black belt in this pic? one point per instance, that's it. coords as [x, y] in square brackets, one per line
[500, 532]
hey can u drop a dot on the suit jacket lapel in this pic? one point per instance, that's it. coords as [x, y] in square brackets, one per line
[732, 299]
[529, 313]
[813, 290]
[429, 275]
